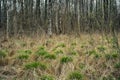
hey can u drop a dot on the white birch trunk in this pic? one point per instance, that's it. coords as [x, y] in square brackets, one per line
[7, 29]
[50, 21]
[78, 10]
[57, 17]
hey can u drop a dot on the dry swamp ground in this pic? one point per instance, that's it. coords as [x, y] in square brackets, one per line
[62, 57]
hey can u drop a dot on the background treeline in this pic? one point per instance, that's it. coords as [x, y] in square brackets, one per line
[59, 16]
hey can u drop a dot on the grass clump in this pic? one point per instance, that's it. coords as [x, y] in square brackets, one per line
[75, 76]
[2, 54]
[101, 48]
[73, 44]
[113, 55]
[73, 52]
[59, 52]
[46, 77]
[33, 65]
[41, 48]
[41, 51]
[81, 65]
[114, 42]
[50, 56]
[28, 51]
[66, 59]
[94, 53]
[109, 77]
[25, 52]
[24, 56]
[62, 45]
[91, 52]
[83, 45]
[97, 55]
[117, 65]
[108, 56]
[91, 41]
[21, 52]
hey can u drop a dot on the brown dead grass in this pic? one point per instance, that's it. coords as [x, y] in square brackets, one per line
[93, 69]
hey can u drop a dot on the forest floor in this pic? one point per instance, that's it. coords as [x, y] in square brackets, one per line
[62, 57]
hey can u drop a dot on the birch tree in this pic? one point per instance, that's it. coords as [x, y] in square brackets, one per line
[0, 15]
[60, 16]
[50, 18]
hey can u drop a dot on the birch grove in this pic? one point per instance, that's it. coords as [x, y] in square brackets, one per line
[59, 16]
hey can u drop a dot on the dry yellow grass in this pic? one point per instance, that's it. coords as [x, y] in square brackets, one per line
[91, 56]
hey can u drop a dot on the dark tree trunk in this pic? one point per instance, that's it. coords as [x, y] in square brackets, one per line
[0, 15]
[106, 10]
[5, 13]
[46, 2]
[38, 11]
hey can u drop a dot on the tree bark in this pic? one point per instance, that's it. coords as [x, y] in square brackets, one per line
[0, 15]
[78, 13]
[50, 19]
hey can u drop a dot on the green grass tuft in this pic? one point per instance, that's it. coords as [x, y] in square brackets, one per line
[28, 51]
[58, 52]
[24, 51]
[2, 54]
[24, 56]
[73, 52]
[41, 52]
[41, 48]
[97, 55]
[91, 52]
[117, 65]
[66, 59]
[111, 56]
[62, 45]
[109, 77]
[81, 65]
[73, 44]
[33, 65]
[101, 48]
[46, 77]
[94, 53]
[75, 76]
[50, 56]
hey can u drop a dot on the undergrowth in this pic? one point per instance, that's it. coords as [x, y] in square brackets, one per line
[65, 58]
